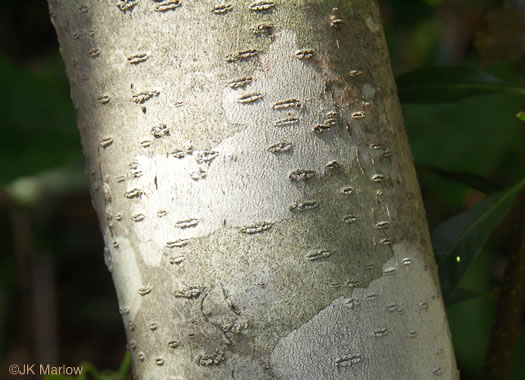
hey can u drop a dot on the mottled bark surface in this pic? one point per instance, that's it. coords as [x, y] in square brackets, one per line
[255, 188]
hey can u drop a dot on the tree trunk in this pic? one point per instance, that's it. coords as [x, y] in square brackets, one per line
[255, 189]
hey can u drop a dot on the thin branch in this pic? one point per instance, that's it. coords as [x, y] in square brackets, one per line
[511, 303]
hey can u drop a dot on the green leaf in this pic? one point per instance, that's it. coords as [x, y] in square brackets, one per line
[89, 369]
[125, 366]
[521, 115]
[449, 84]
[458, 241]
[121, 374]
[37, 122]
[461, 294]
[471, 180]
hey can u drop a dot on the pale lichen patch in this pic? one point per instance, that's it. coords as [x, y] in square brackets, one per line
[126, 272]
[374, 27]
[223, 180]
[394, 315]
[368, 91]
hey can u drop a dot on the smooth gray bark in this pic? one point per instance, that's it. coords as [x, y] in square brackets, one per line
[255, 188]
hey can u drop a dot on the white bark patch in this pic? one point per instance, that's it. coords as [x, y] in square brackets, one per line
[368, 91]
[245, 183]
[394, 318]
[126, 272]
[374, 28]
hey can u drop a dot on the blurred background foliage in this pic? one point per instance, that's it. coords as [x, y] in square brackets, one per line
[57, 303]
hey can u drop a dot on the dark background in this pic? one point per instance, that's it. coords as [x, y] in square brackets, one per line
[57, 301]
